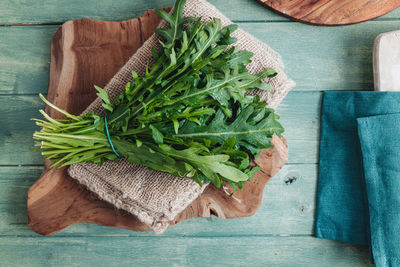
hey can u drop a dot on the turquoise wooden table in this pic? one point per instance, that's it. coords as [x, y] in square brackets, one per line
[280, 234]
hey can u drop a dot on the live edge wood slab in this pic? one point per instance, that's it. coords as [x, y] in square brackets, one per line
[85, 53]
[331, 12]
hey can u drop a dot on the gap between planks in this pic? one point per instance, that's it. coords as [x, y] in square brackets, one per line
[59, 23]
[34, 235]
[39, 166]
[283, 20]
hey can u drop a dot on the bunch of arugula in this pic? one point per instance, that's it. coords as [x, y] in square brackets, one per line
[189, 115]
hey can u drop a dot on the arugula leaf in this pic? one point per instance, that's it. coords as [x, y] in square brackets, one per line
[252, 129]
[213, 166]
[190, 115]
[104, 96]
[157, 135]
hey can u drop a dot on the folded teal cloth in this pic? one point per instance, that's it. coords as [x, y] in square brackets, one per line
[380, 146]
[343, 199]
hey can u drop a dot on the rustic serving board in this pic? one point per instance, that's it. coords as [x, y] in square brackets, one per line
[85, 53]
[331, 12]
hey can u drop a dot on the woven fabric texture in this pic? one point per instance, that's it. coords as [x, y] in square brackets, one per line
[154, 197]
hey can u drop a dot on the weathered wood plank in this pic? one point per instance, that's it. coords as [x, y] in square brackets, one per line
[189, 251]
[286, 209]
[299, 114]
[25, 59]
[16, 133]
[325, 58]
[317, 58]
[334, 12]
[49, 11]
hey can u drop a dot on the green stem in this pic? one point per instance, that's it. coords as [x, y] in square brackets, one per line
[59, 110]
[62, 151]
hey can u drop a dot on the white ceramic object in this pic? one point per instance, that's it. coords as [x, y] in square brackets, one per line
[386, 60]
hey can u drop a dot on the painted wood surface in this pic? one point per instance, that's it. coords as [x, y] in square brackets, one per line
[57, 201]
[331, 12]
[280, 234]
[287, 208]
[317, 58]
[302, 135]
[51, 12]
[179, 251]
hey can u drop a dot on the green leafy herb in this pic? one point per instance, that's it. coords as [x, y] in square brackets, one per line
[189, 115]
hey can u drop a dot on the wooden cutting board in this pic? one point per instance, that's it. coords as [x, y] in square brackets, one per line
[85, 53]
[331, 12]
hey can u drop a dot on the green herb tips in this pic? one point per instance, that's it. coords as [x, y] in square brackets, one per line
[189, 115]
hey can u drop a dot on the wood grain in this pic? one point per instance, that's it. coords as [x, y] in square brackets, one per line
[332, 12]
[61, 11]
[16, 135]
[317, 58]
[336, 58]
[84, 53]
[57, 11]
[301, 251]
[285, 210]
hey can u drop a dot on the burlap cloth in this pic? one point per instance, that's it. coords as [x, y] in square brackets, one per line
[155, 197]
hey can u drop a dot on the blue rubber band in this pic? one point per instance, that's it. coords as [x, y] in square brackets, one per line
[109, 138]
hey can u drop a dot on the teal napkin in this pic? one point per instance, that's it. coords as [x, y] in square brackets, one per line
[380, 146]
[343, 200]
